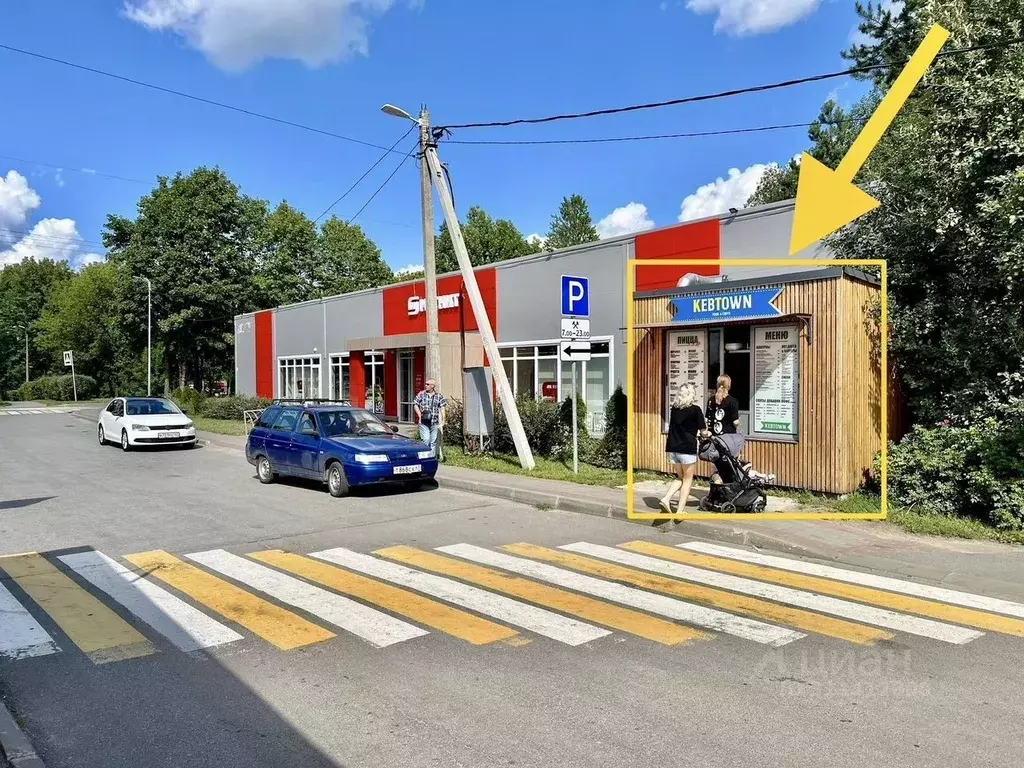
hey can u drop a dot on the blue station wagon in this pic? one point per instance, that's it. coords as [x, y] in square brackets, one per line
[340, 445]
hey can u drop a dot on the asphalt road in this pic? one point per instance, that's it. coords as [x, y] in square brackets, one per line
[436, 699]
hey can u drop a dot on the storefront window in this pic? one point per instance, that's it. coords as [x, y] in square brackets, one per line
[340, 379]
[530, 368]
[374, 362]
[299, 377]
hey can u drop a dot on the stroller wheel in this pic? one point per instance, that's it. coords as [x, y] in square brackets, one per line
[758, 505]
[728, 507]
[703, 505]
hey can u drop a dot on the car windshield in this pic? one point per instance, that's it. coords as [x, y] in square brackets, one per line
[145, 406]
[351, 423]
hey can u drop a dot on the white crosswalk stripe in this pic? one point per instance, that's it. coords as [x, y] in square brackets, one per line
[698, 615]
[538, 620]
[864, 613]
[864, 579]
[375, 627]
[21, 636]
[186, 627]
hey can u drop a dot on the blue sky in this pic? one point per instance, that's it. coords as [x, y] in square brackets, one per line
[332, 63]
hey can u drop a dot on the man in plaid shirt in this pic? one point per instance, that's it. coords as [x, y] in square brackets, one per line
[430, 406]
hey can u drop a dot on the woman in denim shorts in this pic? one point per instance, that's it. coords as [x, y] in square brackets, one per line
[686, 420]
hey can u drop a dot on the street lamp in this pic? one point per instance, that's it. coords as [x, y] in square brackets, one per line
[149, 334]
[433, 361]
[25, 329]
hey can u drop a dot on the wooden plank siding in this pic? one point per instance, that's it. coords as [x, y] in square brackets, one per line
[839, 388]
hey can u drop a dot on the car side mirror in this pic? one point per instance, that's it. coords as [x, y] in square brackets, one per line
[394, 428]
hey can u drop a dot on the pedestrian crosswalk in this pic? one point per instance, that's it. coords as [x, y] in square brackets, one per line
[140, 605]
[40, 411]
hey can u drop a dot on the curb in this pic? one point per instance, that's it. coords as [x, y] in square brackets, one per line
[723, 532]
[14, 745]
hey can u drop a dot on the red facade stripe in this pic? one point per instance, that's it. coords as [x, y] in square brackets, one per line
[357, 379]
[701, 240]
[265, 354]
[403, 305]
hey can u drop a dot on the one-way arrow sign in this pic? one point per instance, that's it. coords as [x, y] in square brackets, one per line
[575, 351]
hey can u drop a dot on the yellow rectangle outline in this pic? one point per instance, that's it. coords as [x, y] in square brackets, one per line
[632, 264]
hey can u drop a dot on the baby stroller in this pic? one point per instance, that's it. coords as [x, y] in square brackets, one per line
[740, 490]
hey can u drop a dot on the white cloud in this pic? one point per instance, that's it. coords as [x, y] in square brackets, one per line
[412, 269]
[17, 201]
[722, 194]
[234, 34]
[753, 17]
[538, 238]
[56, 239]
[625, 220]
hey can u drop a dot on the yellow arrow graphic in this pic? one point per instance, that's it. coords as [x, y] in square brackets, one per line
[827, 200]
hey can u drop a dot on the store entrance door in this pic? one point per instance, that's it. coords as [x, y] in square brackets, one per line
[406, 385]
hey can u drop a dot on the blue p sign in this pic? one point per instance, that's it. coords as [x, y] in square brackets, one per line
[575, 296]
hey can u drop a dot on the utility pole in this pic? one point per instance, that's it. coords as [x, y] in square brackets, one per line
[505, 394]
[149, 334]
[433, 361]
[25, 329]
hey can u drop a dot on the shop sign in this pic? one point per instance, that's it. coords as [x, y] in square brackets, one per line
[755, 304]
[776, 355]
[417, 305]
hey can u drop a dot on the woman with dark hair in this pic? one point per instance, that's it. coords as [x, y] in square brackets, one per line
[723, 418]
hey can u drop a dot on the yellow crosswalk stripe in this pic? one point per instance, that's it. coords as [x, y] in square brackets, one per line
[623, 619]
[100, 633]
[950, 613]
[726, 601]
[453, 621]
[277, 626]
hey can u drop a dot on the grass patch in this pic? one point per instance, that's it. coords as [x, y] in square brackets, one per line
[4, 403]
[549, 469]
[951, 527]
[220, 426]
[93, 401]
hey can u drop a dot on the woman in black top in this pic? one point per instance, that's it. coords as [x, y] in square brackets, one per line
[686, 420]
[723, 416]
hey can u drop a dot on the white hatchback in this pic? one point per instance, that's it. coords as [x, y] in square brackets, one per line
[141, 421]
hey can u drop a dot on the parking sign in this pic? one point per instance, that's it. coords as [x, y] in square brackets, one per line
[575, 296]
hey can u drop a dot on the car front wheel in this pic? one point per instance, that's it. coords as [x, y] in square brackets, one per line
[125, 445]
[264, 470]
[100, 436]
[337, 483]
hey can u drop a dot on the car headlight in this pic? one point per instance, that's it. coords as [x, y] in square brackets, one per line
[189, 425]
[140, 428]
[425, 455]
[371, 458]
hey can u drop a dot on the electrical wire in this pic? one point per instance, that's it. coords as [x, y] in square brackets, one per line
[722, 94]
[182, 94]
[43, 239]
[367, 173]
[384, 184]
[87, 172]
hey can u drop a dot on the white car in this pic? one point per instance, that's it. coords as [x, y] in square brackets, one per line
[141, 421]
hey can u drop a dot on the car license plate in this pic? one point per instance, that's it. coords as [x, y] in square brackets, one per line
[166, 435]
[408, 469]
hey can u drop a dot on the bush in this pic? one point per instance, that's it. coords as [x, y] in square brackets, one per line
[231, 407]
[610, 451]
[971, 466]
[189, 400]
[454, 416]
[56, 388]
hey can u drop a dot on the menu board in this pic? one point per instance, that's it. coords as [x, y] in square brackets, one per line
[685, 362]
[776, 384]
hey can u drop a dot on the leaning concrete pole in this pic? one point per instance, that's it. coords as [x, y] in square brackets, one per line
[508, 400]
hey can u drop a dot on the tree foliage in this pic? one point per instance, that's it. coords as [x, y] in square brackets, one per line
[350, 260]
[488, 241]
[572, 225]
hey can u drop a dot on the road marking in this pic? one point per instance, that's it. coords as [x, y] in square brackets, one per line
[376, 628]
[942, 594]
[738, 626]
[950, 613]
[855, 611]
[21, 636]
[276, 625]
[649, 627]
[36, 413]
[100, 633]
[439, 616]
[538, 620]
[186, 627]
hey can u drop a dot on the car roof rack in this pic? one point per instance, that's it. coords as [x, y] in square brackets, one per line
[308, 401]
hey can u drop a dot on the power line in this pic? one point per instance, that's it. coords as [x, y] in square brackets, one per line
[367, 173]
[50, 239]
[384, 184]
[86, 171]
[190, 96]
[721, 94]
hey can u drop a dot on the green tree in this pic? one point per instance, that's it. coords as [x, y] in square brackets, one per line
[572, 225]
[349, 260]
[24, 290]
[831, 135]
[198, 239]
[288, 269]
[950, 178]
[488, 241]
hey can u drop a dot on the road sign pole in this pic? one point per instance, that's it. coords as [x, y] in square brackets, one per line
[575, 432]
[74, 381]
